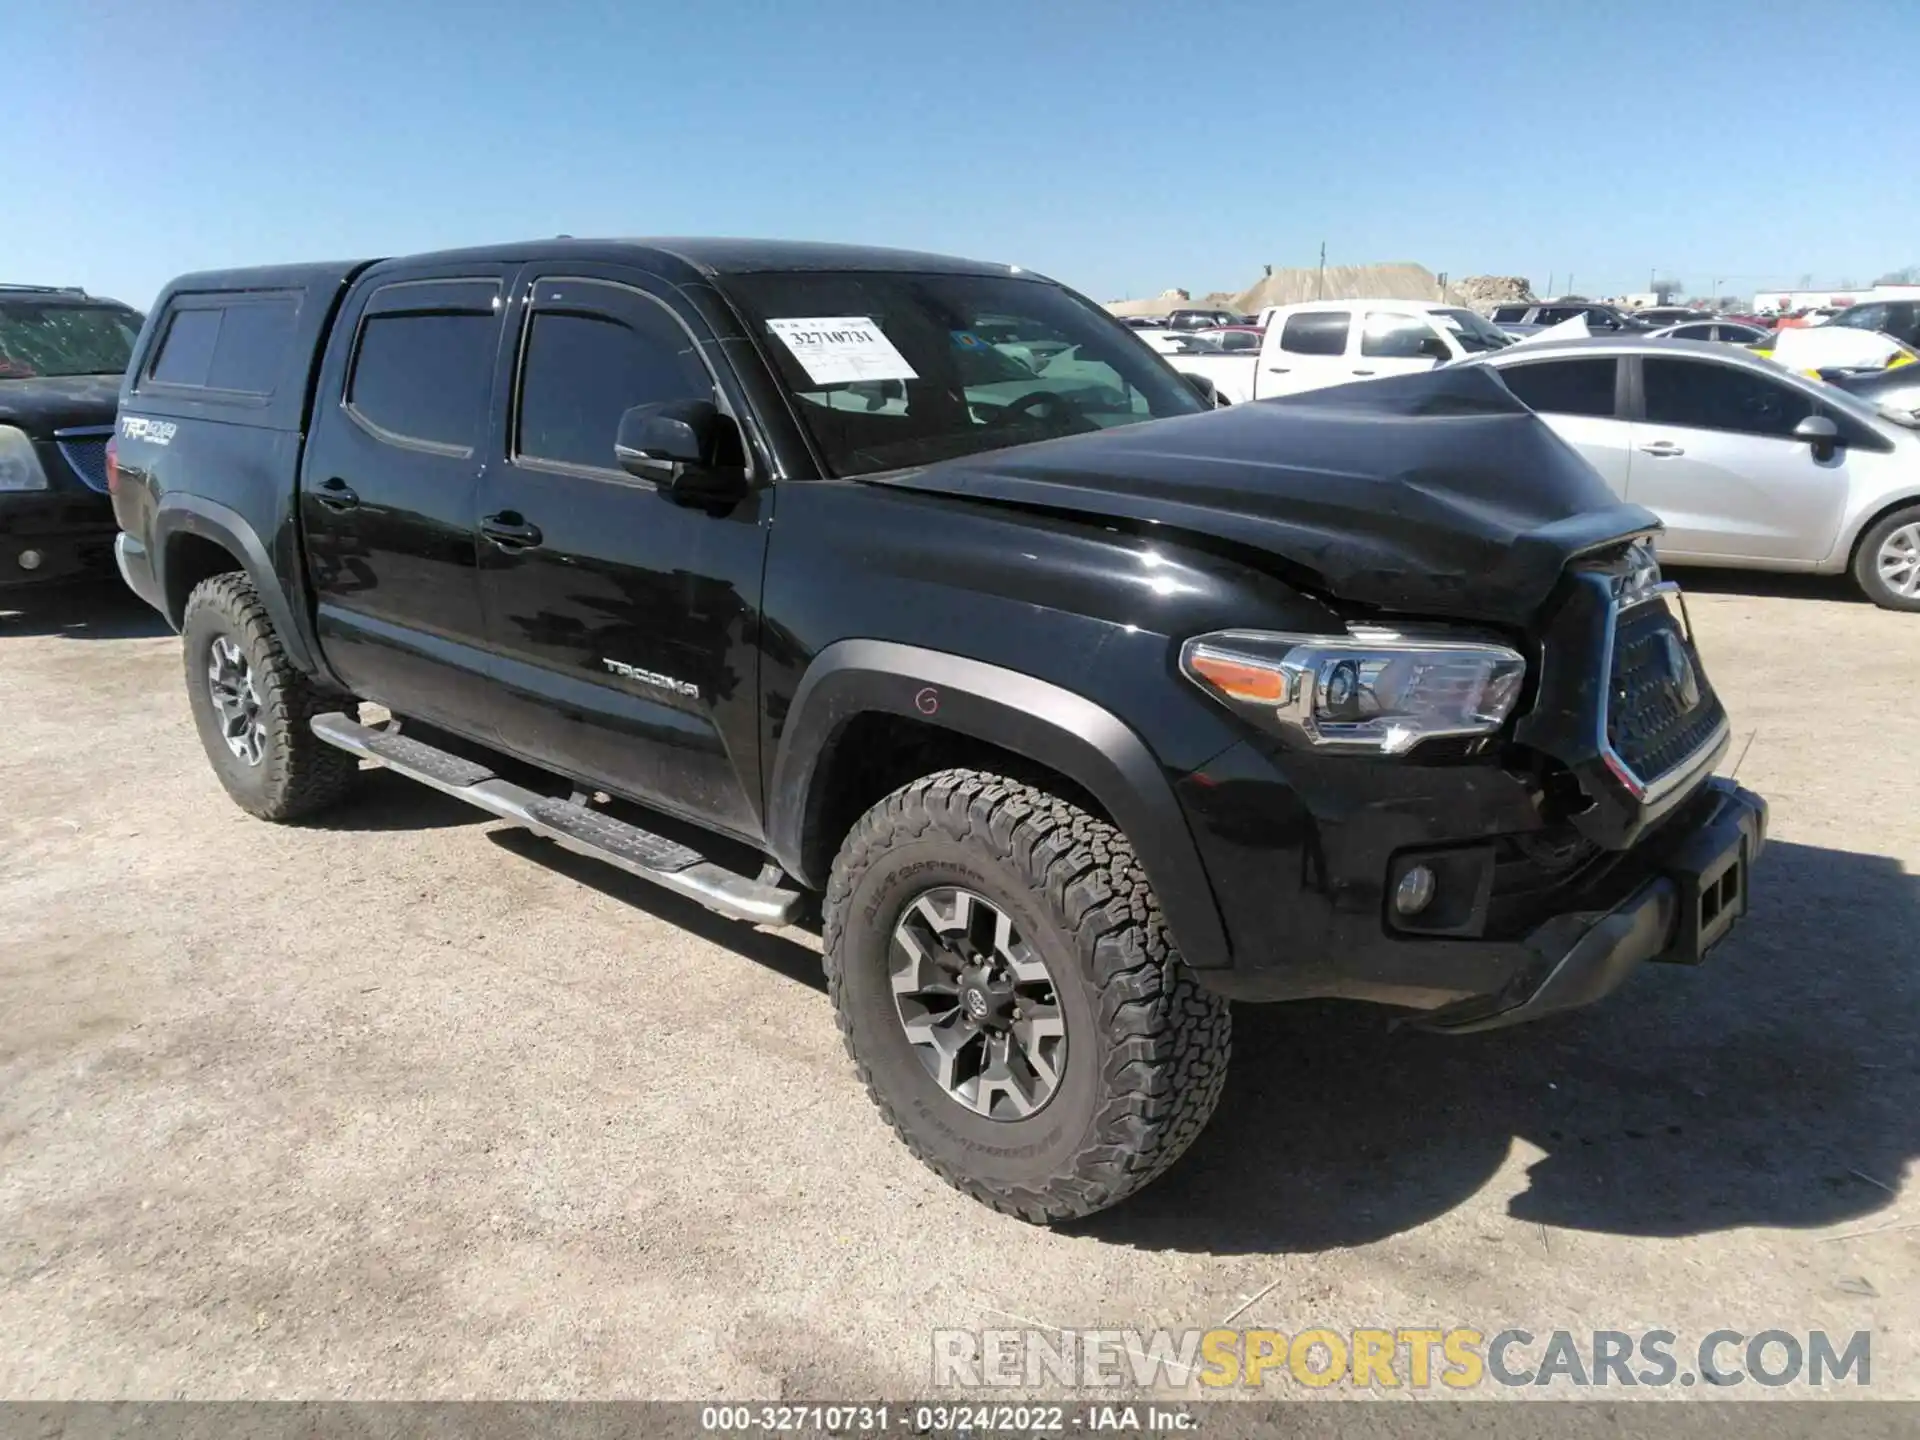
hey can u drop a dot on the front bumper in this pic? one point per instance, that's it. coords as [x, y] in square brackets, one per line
[1677, 916]
[1302, 864]
[52, 535]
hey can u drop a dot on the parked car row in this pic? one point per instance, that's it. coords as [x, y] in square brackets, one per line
[1329, 342]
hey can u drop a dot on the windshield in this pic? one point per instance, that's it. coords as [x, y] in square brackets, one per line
[1473, 333]
[40, 339]
[888, 370]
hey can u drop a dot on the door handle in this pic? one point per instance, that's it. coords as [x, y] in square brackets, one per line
[336, 494]
[1363, 372]
[509, 531]
[1279, 370]
[1662, 448]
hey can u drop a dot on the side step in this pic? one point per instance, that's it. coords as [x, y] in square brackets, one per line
[587, 832]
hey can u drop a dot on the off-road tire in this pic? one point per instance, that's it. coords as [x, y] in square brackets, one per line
[1147, 1046]
[299, 774]
[1866, 561]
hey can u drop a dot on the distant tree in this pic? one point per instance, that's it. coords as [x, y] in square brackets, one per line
[1666, 289]
[1909, 276]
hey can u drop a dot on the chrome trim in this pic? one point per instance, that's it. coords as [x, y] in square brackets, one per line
[1701, 759]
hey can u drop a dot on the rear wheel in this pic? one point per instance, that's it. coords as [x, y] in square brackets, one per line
[253, 708]
[1007, 991]
[1887, 564]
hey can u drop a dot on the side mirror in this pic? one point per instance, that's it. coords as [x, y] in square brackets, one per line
[682, 446]
[1820, 433]
[1204, 387]
[1435, 349]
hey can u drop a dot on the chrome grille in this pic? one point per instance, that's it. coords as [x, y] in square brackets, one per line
[1660, 707]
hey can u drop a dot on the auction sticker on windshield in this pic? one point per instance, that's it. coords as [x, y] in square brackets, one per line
[836, 349]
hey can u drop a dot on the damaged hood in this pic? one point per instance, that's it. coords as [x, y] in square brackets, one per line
[1437, 493]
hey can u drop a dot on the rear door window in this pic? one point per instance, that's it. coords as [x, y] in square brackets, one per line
[1703, 396]
[423, 361]
[1509, 314]
[1317, 332]
[1564, 387]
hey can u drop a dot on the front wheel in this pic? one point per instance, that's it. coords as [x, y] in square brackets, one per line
[253, 708]
[1008, 992]
[1887, 564]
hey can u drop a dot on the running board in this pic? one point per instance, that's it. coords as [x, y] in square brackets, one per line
[665, 862]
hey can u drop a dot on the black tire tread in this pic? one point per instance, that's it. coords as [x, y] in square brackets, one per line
[1168, 1039]
[311, 774]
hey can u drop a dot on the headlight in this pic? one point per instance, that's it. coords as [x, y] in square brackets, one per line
[19, 465]
[1371, 690]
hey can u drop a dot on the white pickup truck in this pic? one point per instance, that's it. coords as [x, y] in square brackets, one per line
[1332, 342]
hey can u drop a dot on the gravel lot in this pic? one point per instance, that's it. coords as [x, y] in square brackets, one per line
[405, 1104]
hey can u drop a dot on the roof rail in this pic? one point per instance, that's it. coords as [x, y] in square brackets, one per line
[42, 289]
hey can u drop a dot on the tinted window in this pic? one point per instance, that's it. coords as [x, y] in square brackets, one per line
[1706, 396]
[1564, 387]
[240, 346]
[1693, 332]
[186, 354]
[252, 349]
[1509, 314]
[1239, 340]
[1400, 337]
[1554, 314]
[1316, 332]
[423, 376]
[582, 372]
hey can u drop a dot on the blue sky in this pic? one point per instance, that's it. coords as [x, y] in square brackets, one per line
[1122, 147]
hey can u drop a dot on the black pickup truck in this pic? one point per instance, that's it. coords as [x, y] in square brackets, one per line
[1072, 707]
[62, 352]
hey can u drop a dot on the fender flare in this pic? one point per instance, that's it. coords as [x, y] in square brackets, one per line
[184, 514]
[1053, 727]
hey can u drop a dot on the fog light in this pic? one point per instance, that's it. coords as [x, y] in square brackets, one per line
[30, 559]
[1414, 892]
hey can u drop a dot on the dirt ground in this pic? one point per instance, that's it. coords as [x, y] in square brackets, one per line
[406, 1104]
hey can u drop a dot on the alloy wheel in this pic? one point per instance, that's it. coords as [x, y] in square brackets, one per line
[977, 1003]
[1899, 561]
[230, 683]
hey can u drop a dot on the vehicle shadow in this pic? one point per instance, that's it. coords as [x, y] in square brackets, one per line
[1775, 1085]
[775, 950]
[1766, 584]
[103, 609]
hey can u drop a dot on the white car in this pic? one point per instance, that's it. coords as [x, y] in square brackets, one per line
[1749, 464]
[1333, 342]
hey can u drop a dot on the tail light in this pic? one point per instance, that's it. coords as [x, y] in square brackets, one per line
[113, 467]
